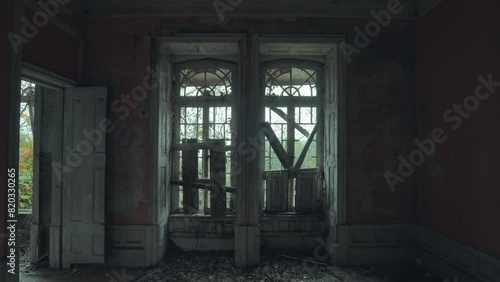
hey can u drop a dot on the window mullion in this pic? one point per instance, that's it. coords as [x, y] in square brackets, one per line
[205, 125]
[291, 152]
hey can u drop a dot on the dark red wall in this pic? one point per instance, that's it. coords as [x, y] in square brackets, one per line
[380, 101]
[54, 50]
[7, 16]
[457, 42]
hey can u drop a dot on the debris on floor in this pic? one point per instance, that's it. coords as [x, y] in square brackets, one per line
[218, 267]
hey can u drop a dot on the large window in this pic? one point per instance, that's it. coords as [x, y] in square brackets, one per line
[280, 157]
[291, 125]
[203, 135]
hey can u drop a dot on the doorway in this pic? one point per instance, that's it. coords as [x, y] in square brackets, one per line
[67, 171]
[40, 144]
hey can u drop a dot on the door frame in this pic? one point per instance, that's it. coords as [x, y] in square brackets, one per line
[49, 80]
[340, 94]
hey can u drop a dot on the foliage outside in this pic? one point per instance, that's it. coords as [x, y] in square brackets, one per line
[26, 145]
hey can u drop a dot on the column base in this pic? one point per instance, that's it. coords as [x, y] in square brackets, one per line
[246, 246]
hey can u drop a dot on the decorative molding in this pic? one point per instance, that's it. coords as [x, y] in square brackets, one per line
[292, 223]
[449, 258]
[295, 49]
[263, 8]
[203, 242]
[204, 233]
[376, 244]
[179, 224]
[135, 245]
[452, 259]
[283, 232]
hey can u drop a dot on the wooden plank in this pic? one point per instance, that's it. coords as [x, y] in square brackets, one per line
[218, 176]
[276, 145]
[200, 184]
[307, 199]
[190, 202]
[303, 154]
[290, 121]
[277, 191]
[202, 146]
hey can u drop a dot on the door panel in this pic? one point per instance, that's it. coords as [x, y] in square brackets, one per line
[84, 176]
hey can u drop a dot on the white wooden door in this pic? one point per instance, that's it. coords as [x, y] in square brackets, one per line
[84, 159]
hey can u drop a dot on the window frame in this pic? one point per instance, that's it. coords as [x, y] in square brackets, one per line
[247, 49]
[206, 103]
[292, 102]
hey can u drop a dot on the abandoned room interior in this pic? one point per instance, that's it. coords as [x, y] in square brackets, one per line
[224, 140]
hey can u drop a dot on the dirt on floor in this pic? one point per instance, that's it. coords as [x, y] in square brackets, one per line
[195, 266]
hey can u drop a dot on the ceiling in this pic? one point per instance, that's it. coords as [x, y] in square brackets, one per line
[252, 8]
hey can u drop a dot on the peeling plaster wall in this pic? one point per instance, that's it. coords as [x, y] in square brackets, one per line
[380, 101]
[457, 42]
[118, 59]
[380, 127]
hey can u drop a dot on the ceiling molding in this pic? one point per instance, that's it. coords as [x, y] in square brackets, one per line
[203, 48]
[295, 49]
[254, 8]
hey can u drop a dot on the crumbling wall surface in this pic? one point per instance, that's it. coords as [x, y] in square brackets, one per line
[380, 128]
[458, 42]
[380, 111]
[117, 56]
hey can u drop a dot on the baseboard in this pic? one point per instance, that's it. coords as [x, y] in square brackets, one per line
[135, 245]
[376, 244]
[202, 242]
[455, 260]
[277, 232]
[293, 233]
[138, 246]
